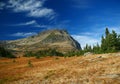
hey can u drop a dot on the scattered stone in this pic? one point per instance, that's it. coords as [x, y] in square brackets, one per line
[88, 53]
[99, 57]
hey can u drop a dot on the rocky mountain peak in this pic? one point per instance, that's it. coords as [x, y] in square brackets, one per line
[57, 39]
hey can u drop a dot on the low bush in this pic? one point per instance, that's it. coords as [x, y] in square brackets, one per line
[5, 53]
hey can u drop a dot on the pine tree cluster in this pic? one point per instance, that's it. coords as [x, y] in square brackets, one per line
[109, 43]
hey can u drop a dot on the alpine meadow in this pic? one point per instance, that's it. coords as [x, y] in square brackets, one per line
[59, 42]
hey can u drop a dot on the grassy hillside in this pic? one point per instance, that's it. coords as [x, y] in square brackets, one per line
[91, 69]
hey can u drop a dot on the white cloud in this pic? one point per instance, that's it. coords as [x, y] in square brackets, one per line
[83, 40]
[2, 5]
[32, 23]
[24, 5]
[23, 34]
[32, 8]
[44, 12]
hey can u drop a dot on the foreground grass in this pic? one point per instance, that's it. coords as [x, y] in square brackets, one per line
[92, 69]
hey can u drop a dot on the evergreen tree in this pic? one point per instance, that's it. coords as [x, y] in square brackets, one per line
[107, 32]
[96, 49]
[111, 42]
[87, 48]
[114, 40]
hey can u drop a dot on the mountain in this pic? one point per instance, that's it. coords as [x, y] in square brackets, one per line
[55, 39]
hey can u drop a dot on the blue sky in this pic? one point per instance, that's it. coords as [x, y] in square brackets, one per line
[85, 20]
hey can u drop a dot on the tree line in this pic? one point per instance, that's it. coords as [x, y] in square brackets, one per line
[109, 43]
[43, 53]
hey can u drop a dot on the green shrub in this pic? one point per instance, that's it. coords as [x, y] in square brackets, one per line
[49, 52]
[5, 53]
[30, 64]
[28, 54]
[74, 53]
[14, 60]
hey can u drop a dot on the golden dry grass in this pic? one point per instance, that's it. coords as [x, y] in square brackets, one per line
[94, 69]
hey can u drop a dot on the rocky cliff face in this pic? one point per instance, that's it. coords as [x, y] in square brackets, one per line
[57, 39]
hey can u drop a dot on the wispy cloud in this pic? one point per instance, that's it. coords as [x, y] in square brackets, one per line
[24, 5]
[44, 12]
[32, 23]
[23, 34]
[32, 8]
[2, 5]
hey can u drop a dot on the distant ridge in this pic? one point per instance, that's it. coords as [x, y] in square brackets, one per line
[56, 38]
